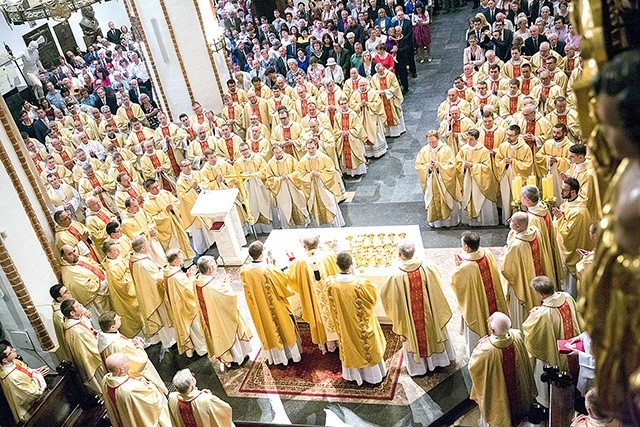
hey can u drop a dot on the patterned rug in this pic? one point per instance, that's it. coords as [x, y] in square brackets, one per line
[319, 377]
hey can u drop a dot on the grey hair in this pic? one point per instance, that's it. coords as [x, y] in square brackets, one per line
[407, 248]
[184, 381]
[205, 263]
[500, 323]
[531, 192]
[138, 243]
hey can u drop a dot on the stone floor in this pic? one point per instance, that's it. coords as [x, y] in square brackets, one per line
[389, 194]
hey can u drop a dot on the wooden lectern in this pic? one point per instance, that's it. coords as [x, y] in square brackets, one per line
[220, 206]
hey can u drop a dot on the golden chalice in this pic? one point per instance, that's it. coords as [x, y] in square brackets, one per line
[402, 235]
[381, 237]
[392, 236]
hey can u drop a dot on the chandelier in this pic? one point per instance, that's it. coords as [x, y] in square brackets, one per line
[17, 12]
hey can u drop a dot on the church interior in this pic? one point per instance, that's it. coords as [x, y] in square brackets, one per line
[508, 179]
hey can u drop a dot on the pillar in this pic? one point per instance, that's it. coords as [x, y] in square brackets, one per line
[177, 36]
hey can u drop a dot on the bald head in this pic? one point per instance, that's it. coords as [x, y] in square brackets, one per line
[519, 222]
[116, 364]
[499, 324]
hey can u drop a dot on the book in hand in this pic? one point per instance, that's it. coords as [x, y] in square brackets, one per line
[564, 347]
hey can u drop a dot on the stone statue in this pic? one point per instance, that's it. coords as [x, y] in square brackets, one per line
[32, 66]
[89, 25]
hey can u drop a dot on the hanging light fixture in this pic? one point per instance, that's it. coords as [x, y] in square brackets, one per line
[17, 12]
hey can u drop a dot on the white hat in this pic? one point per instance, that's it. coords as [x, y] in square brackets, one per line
[331, 61]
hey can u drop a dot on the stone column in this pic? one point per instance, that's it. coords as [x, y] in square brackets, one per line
[177, 37]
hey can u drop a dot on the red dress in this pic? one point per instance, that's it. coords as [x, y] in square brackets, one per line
[388, 62]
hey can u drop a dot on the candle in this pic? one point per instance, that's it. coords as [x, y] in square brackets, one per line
[516, 187]
[532, 180]
[547, 187]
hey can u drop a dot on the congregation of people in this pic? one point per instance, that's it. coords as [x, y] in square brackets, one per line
[313, 97]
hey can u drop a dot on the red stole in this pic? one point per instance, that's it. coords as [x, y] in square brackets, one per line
[172, 157]
[278, 102]
[156, 164]
[111, 391]
[37, 157]
[516, 71]
[229, 143]
[570, 64]
[509, 373]
[286, 134]
[531, 128]
[526, 86]
[513, 104]
[364, 96]
[191, 133]
[456, 126]
[487, 282]
[140, 135]
[232, 112]
[22, 369]
[132, 192]
[204, 145]
[200, 118]
[562, 119]
[256, 110]
[124, 170]
[234, 96]
[416, 294]
[96, 184]
[331, 100]
[186, 414]
[103, 216]
[545, 89]
[92, 269]
[488, 139]
[203, 307]
[75, 233]
[535, 254]
[303, 107]
[255, 146]
[387, 103]
[569, 332]
[165, 131]
[112, 122]
[354, 84]
[346, 146]
[76, 118]
[483, 101]
[462, 94]
[129, 111]
[469, 81]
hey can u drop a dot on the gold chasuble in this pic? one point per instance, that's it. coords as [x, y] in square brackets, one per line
[149, 282]
[199, 408]
[440, 185]
[265, 288]
[81, 338]
[362, 343]
[20, 387]
[139, 364]
[523, 261]
[414, 301]
[540, 217]
[181, 304]
[556, 319]
[478, 182]
[134, 402]
[122, 293]
[171, 234]
[220, 318]
[476, 283]
[573, 232]
[58, 325]
[313, 292]
[502, 379]
[320, 191]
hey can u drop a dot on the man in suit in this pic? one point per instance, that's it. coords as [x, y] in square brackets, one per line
[240, 55]
[406, 44]
[533, 10]
[341, 56]
[135, 91]
[356, 29]
[280, 62]
[532, 44]
[91, 55]
[292, 49]
[102, 99]
[342, 21]
[113, 35]
[491, 12]
[556, 44]
[502, 40]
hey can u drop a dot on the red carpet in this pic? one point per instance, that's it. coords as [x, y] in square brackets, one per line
[319, 375]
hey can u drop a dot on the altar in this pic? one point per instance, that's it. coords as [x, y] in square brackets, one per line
[374, 249]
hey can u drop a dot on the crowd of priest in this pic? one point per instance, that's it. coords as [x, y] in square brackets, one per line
[123, 179]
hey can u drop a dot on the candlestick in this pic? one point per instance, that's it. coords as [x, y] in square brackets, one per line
[516, 187]
[547, 186]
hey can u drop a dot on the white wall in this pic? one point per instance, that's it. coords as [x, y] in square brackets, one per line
[107, 11]
[25, 251]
